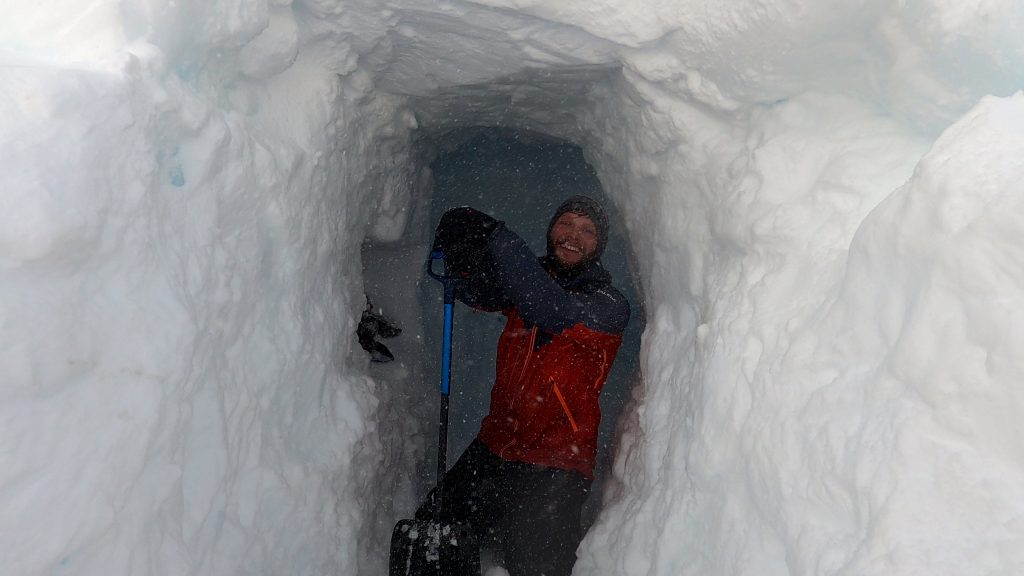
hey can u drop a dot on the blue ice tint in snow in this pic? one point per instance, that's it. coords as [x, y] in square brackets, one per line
[177, 176]
[168, 157]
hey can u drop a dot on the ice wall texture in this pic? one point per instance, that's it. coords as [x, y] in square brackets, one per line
[831, 353]
[182, 208]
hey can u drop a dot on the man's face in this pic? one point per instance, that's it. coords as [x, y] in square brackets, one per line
[573, 239]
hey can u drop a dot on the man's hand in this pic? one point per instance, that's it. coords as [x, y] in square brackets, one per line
[462, 235]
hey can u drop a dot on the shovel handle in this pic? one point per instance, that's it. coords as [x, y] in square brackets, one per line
[449, 283]
[449, 307]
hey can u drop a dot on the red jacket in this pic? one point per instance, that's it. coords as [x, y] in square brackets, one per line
[561, 337]
[544, 404]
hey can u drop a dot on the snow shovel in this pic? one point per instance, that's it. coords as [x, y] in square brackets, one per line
[434, 547]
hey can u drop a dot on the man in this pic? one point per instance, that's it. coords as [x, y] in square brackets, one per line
[524, 479]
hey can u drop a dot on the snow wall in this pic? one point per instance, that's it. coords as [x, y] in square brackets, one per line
[823, 204]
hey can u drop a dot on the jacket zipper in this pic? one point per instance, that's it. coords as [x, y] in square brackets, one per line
[565, 406]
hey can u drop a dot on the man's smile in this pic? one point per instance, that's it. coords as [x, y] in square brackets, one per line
[571, 247]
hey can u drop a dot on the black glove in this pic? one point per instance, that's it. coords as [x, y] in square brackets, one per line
[370, 327]
[462, 234]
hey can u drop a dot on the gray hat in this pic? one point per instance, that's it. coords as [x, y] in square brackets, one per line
[590, 208]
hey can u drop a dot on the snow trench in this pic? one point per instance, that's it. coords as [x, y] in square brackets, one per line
[817, 203]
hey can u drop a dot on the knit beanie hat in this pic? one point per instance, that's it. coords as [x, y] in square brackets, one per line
[590, 208]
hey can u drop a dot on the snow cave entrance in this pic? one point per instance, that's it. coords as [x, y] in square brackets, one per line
[519, 177]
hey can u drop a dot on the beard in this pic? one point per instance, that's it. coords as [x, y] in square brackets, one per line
[555, 266]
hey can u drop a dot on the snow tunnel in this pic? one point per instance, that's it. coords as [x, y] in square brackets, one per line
[520, 177]
[817, 209]
[489, 146]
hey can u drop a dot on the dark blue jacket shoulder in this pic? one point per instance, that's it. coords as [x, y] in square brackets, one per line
[549, 300]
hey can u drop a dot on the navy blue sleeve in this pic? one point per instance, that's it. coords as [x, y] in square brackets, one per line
[483, 293]
[539, 298]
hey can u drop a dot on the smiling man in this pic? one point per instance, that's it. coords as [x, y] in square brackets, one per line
[523, 481]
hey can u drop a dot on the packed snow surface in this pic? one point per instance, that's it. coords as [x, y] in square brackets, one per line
[822, 201]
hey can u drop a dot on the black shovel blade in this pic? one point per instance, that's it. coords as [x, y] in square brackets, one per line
[426, 548]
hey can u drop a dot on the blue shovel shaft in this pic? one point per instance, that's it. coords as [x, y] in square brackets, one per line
[449, 307]
[446, 347]
[446, 370]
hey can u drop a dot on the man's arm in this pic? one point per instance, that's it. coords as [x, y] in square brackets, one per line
[482, 292]
[539, 298]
